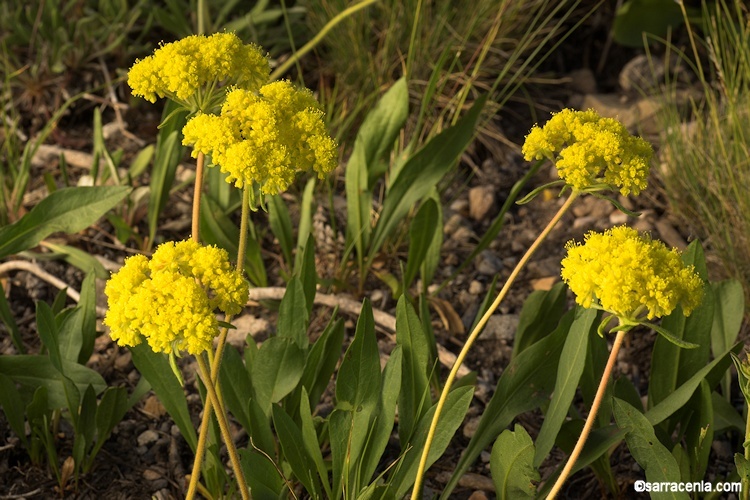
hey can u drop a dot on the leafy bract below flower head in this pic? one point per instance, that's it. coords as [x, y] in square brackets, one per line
[170, 300]
[589, 150]
[625, 273]
[266, 137]
[181, 69]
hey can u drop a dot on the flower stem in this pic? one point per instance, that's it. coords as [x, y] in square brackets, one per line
[416, 491]
[216, 361]
[234, 458]
[197, 197]
[592, 416]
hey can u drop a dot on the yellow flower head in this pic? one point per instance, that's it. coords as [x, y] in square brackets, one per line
[197, 63]
[589, 150]
[265, 137]
[627, 273]
[170, 300]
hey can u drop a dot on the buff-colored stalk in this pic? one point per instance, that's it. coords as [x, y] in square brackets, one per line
[416, 492]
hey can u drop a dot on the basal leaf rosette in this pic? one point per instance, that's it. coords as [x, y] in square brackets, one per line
[630, 275]
[170, 299]
[591, 152]
[265, 138]
[190, 69]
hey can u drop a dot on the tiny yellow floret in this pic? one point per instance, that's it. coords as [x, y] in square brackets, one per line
[626, 273]
[170, 300]
[183, 69]
[589, 150]
[265, 138]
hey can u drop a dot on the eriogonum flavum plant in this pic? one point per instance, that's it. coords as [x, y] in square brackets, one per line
[627, 273]
[590, 151]
[169, 301]
[265, 138]
[188, 70]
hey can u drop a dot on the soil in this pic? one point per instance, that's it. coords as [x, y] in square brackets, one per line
[146, 456]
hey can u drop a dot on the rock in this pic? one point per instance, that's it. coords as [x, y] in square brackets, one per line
[544, 283]
[612, 106]
[670, 235]
[470, 427]
[151, 475]
[123, 360]
[153, 407]
[475, 287]
[460, 205]
[454, 222]
[147, 437]
[488, 263]
[501, 327]
[478, 495]
[245, 325]
[481, 201]
[582, 81]
[642, 73]
[617, 218]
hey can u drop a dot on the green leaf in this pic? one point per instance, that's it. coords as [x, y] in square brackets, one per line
[699, 431]
[69, 210]
[431, 259]
[356, 384]
[524, 385]
[310, 440]
[69, 335]
[422, 172]
[87, 303]
[636, 18]
[218, 229]
[512, 471]
[293, 317]
[236, 386]
[155, 368]
[654, 457]
[281, 226]
[539, 316]
[7, 318]
[421, 235]
[454, 412]
[307, 272]
[307, 207]
[358, 388]
[729, 309]
[168, 154]
[262, 477]
[569, 371]
[677, 399]
[374, 139]
[414, 399]
[277, 369]
[48, 333]
[10, 400]
[677, 364]
[383, 425]
[80, 259]
[33, 371]
[322, 360]
[292, 443]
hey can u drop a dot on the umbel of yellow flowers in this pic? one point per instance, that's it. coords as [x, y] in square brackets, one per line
[590, 151]
[265, 137]
[627, 273]
[196, 64]
[169, 301]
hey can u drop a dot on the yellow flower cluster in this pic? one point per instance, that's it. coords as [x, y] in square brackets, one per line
[181, 69]
[627, 273]
[589, 150]
[170, 300]
[265, 137]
